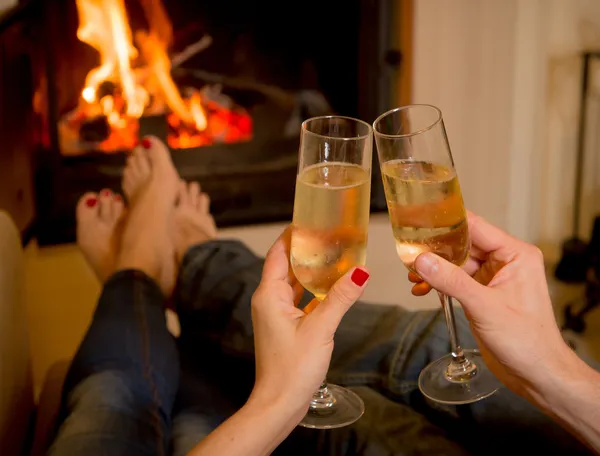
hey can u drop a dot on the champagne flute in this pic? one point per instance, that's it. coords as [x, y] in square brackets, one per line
[329, 231]
[428, 215]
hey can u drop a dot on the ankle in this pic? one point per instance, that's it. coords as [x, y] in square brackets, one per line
[141, 261]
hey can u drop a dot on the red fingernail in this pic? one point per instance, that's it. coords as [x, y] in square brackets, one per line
[91, 201]
[146, 143]
[359, 276]
[106, 193]
[117, 197]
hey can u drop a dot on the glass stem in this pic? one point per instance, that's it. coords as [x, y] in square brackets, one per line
[460, 369]
[323, 402]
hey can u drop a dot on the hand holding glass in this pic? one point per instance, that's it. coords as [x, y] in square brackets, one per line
[329, 230]
[428, 215]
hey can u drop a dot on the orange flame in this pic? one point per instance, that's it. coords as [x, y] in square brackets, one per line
[160, 67]
[103, 24]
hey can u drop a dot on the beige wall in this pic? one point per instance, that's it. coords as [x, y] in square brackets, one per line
[572, 27]
[466, 59]
[506, 75]
[5, 4]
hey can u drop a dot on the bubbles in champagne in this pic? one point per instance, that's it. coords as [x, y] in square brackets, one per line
[331, 216]
[426, 210]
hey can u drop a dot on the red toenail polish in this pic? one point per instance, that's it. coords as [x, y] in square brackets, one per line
[117, 197]
[146, 143]
[91, 201]
[106, 193]
[359, 276]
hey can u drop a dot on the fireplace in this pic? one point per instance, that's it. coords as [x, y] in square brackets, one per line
[225, 84]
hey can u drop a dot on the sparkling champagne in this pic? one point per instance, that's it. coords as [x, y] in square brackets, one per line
[426, 211]
[331, 218]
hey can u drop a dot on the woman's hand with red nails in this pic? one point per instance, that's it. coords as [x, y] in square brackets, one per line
[293, 350]
[293, 347]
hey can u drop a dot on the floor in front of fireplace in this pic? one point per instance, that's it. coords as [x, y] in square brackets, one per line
[61, 291]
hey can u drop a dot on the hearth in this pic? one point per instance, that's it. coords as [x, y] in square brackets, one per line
[226, 84]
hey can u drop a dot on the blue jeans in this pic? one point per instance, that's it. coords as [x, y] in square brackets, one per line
[134, 390]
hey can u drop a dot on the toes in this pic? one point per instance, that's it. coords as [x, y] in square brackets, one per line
[157, 152]
[130, 169]
[105, 200]
[118, 207]
[203, 203]
[130, 177]
[87, 215]
[141, 163]
[127, 185]
[182, 197]
[87, 207]
[137, 171]
[130, 166]
[110, 206]
[193, 193]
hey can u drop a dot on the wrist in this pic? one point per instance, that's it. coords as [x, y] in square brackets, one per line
[571, 397]
[285, 409]
[556, 388]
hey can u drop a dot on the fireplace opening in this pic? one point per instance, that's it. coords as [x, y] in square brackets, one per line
[225, 84]
[135, 79]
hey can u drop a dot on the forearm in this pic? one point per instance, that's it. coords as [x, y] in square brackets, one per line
[255, 430]
[571, 395]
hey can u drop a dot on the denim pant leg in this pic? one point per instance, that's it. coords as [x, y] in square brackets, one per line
[386, 348]
[215, 286]
[216, 283]
[121, 386]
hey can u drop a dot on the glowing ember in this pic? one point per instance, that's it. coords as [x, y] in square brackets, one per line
[131, 82]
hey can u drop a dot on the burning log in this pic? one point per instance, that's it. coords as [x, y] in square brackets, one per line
[94, 130]
[107, 88]
[282, 97]
[190, 51]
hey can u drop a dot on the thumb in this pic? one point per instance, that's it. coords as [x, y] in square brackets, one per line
[344, 293]
[450, 279]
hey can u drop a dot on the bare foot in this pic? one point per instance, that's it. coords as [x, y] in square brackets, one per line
[99, 229]
[193, 223]
[150, 182]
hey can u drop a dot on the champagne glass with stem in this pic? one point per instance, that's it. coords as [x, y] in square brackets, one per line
[428, 215]
[329, 231]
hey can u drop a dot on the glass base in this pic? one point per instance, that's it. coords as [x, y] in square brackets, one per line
[347, 409]
[435, 384]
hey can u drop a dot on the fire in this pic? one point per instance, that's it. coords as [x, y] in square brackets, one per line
[103, 25]
[133, 81]
[160, 67]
